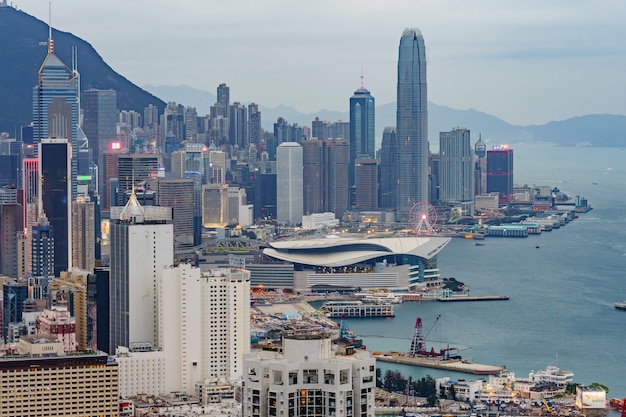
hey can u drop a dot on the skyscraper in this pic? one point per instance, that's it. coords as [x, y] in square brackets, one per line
[83, 234]
[456, 166]
[325, 176]
[366, 184]
[55, 197]
[387, 170]
[55, 106]
[179, 194]
[134, 169]
[412, 124]
[500, 172]
[100, 115]
[42, 249]
[289, 183]
[362, 129]
[141, 245]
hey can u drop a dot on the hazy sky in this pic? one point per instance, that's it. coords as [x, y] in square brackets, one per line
[525, 61]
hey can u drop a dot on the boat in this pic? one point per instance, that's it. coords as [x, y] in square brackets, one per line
[480, 244]
[621, 305]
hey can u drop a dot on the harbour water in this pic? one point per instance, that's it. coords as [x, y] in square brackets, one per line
[562, 284]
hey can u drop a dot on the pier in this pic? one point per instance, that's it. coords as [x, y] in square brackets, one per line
[455, 365]
[474, 298]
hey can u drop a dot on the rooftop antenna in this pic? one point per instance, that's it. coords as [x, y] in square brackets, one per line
[50, 40]
[362, 78]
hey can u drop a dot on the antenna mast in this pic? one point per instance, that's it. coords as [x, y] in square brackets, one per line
[50, 41]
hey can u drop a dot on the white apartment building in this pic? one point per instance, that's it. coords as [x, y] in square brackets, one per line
[204, 331]
[308, 379]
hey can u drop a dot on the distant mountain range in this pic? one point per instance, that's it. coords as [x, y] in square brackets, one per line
[598, 130]
[23, 49]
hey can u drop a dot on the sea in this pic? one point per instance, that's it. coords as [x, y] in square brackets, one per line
[562, 284]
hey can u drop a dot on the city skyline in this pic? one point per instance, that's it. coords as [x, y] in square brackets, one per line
[536, 53]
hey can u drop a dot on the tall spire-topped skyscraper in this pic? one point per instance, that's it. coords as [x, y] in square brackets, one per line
[362, 129]
[55, 105]
[411, 124]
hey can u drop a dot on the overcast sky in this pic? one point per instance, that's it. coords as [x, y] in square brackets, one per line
[527, 62]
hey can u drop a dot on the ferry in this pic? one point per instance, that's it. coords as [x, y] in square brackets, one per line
[621, 305]
[357, 309]
[379, 297]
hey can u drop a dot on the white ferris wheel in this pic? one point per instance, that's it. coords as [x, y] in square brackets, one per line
[423, 218]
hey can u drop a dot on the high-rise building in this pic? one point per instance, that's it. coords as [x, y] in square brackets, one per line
[110, 170]
[100, 116]
[10, 223]
[254, 124]
[55, 107]
[308, 379]
[387, 170]
[141, 245]
[500, 172]
[9, 170]
[456, 166]
[13, 297]
[480, 172]
[325, 179]
[83, 234]
[210, 311]
[55, 197]
[215, 205]
[134, 169]
[60, 385]
[289, 183]
[42, 248]
[411, 125]
[204, 328]
[30, 182]
[238, 129]
[179, 195]
[366, 184]
[362, 129]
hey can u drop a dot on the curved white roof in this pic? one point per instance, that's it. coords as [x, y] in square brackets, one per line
[347, 251]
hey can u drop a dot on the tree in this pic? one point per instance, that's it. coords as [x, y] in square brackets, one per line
[597, 384]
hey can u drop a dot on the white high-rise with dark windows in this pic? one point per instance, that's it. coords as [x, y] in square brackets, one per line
[289, 183]
[141, 246]
[456, 166]
[411, 124]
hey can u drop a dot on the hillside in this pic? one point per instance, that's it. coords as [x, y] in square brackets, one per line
[23, 47]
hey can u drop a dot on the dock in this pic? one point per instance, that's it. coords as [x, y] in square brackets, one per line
[455, 365]
[474, 298]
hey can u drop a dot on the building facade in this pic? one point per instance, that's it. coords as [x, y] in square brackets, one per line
[55, 197]
[141, 246]
[456, 166]
[500, 172]
[362, 129]
[309, 379]
[100, 116]
[289, 183]
[55, 107]
[42, 380]
[325, 178]
[411, 124]
[83, 234]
